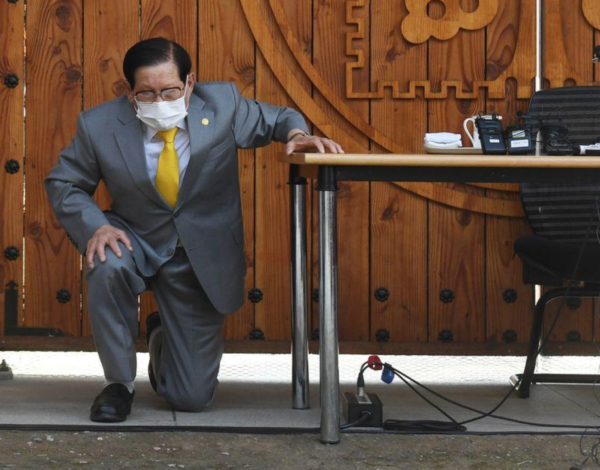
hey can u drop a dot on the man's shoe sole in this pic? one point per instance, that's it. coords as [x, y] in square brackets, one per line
[110, 418]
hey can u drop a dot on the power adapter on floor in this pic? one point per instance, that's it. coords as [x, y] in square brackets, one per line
[355, 405]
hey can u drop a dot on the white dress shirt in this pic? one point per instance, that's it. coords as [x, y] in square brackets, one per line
[153, 145]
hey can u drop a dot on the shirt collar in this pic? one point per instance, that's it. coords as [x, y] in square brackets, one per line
[150, 132]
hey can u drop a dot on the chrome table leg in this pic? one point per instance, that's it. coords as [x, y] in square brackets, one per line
[300, 381]
[328, 352]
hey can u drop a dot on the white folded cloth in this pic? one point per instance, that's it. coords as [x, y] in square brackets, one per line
[435, 145]
[443, 138]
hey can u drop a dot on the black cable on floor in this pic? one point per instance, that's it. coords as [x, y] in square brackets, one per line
[453, 425]
[490, 413]
[364, 417]
[422, 425]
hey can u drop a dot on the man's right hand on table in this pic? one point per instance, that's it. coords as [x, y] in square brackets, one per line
[106, 235]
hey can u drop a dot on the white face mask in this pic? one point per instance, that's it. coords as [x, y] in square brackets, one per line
[162, 115]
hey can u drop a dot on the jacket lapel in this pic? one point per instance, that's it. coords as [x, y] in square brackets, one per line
[200, 124]
[130, 138]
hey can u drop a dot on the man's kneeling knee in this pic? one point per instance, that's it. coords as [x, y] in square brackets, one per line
[192, 402]
[112, 263]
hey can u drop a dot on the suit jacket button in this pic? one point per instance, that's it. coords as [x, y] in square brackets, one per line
[170, 251]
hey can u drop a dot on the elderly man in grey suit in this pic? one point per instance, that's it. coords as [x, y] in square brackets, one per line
[167, 152]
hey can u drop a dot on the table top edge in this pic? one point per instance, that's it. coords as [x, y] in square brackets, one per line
[441, 160]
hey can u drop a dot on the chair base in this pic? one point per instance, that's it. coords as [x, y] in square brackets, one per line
[529, 376]
[554, 379]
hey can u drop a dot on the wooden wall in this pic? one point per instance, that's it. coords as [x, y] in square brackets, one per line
[442, 252]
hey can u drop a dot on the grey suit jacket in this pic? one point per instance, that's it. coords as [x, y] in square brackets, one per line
[109, 145]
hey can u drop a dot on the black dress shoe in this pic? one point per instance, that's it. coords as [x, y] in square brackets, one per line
[152, 322]
[112, 405]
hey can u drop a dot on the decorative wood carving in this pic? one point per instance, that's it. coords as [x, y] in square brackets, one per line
[270, 48]
[560, 68]
[419, 26]
[591, 11]
[522, 67]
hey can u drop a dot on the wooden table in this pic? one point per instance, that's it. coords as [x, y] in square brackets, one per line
[328, 169]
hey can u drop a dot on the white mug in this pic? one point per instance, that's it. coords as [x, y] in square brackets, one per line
[475, 136]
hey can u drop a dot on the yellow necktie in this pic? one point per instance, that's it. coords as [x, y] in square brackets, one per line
[167, 174]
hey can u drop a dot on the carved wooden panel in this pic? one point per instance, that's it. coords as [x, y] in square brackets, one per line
[374, 75]
[11, 160]
[569, 32]
[521, 68]
[420, 24]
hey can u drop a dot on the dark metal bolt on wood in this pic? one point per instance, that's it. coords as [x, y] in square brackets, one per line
[446, 336]
[446, 295]
[510, 296]
[573, 337]
[509, 336]
[11, 80]
[573, 303]
[315, 295]
[382, 335]
[382, 294]
[12, 167]
[63, 296]
[11, 253]
[257, 335]
[255, 295]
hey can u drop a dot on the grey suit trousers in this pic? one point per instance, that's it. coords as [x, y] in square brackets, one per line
[192, 346]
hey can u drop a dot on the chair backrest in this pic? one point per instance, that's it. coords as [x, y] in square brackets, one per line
[562, 211]
[577, 107]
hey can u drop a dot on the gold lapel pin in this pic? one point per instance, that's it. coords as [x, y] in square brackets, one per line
[205, 121]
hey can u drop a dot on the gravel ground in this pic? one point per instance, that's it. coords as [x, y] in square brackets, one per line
[165, 450]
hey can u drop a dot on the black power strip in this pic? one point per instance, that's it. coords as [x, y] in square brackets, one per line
[355, 406]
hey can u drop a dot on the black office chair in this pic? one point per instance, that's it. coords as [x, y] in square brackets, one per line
[564, 221]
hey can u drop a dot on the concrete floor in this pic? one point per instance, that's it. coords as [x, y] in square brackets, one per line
[52, 391]
[48, 402]
[101, 450]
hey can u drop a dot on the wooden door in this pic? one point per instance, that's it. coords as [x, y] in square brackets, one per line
[423, 267]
